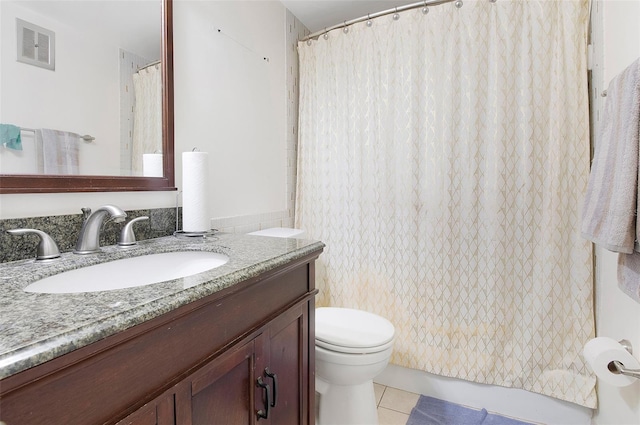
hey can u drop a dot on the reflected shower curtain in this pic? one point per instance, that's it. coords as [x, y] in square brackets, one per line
[443, 159]
[147, 115]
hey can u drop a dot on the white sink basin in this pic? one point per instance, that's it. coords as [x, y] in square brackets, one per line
[129, 272]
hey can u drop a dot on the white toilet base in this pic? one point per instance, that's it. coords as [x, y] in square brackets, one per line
[352, 348]
[346, 404]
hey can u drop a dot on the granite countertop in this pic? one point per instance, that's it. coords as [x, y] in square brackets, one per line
[35, 328]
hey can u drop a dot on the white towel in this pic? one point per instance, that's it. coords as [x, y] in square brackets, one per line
[610, 208]
[57, 152]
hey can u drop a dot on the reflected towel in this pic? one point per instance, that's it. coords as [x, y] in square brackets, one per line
[10, 136]
[610, 208]
[57, 152]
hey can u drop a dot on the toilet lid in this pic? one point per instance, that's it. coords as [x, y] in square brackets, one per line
[349, 328]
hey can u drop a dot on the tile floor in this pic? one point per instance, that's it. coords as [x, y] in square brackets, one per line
[394, 405]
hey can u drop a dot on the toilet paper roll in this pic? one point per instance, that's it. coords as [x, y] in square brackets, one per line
[601, 351]
[195, 178]
[152, 165]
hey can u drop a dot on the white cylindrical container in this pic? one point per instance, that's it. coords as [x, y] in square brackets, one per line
[152, 165]
[195, 194]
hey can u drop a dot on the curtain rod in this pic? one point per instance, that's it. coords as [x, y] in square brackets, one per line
[149, 65]
[370, 16]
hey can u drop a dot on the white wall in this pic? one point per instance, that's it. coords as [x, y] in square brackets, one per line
[231, 102]
[616, 39]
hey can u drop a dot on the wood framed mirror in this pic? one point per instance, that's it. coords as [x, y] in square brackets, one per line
[47, 183]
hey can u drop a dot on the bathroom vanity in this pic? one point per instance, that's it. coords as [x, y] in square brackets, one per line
[233, 345]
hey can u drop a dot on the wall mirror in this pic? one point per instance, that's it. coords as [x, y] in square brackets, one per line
[111, 80]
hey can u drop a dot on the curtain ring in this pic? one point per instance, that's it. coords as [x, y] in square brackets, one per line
[369, 22]
[395, 15]
[345, 29]
[425, 8]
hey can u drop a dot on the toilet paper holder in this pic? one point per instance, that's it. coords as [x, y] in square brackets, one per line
[618, 368]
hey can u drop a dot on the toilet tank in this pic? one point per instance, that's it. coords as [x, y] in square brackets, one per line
[280, 232]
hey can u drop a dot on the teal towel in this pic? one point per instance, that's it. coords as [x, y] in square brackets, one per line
[10, 136]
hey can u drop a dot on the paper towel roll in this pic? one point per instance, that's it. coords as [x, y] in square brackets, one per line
[152, 165]
[195, 205]
[601, 351]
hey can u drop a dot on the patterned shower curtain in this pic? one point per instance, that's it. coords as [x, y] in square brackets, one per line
[147, 115]
[443, 159]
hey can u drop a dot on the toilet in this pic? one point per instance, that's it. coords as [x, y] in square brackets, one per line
[352, 347]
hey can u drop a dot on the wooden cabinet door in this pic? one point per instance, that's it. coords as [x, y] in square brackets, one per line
[287, 358]
[158, 412]
[224, 391]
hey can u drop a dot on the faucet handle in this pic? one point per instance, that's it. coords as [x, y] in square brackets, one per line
[86, 212]
[47, 247]
[127, 237]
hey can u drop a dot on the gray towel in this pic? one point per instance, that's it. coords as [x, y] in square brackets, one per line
[610, 208]
[433, 411]
[610, 212]
[57, 152]
[629, 274]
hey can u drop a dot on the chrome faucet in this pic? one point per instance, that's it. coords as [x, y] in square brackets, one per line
[89, 237]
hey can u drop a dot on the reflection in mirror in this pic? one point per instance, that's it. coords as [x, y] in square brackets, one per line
[101, 117]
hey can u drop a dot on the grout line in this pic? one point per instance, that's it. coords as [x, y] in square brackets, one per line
[384, 390]
[397, 411]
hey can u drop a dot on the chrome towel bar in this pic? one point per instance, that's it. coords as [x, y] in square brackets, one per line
[86, 137]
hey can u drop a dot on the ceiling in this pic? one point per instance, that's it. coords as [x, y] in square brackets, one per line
[319, 14]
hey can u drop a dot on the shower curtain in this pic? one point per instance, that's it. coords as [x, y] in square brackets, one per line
[147, 115]
[442, 159]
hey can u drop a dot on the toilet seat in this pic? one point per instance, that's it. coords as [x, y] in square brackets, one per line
[353, 350]
[346, 330]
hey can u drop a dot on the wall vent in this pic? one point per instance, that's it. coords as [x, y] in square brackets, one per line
[36, 45]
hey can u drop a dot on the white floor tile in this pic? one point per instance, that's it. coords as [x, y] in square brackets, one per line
[391, 417]
[398, 400]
